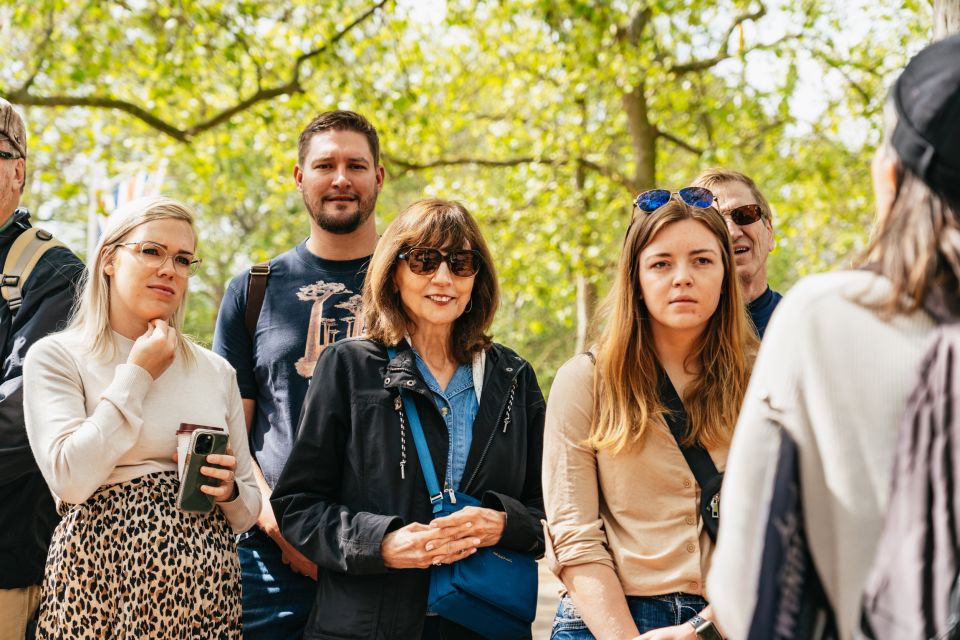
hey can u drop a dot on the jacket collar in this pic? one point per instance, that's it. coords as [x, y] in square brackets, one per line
[500, 368]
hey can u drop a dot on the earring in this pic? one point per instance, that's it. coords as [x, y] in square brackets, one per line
[469, 306]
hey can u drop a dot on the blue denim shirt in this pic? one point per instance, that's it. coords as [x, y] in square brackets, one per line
[458, 405]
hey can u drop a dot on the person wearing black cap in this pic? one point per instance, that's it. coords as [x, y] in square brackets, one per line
[841, 356]
[27, 515]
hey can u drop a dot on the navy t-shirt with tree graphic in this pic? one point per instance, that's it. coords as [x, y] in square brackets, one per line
[309, 303]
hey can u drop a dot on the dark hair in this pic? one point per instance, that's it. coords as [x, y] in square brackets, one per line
[711, 178]
[434, 223]
[339, 121]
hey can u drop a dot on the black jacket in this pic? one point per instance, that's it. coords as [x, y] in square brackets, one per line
[27, 515]
[341, 490]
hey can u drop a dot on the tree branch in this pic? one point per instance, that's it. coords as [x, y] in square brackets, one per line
[456, 162]
[612, 174]
[723, 51]
[291, 86]
[838, 65]
[28, 99]
[680, 143]
[607, 172]
[634, 29]
[39, 53]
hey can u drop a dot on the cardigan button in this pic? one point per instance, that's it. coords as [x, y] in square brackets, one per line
[386, 381]
[410, 383]
[509, 369]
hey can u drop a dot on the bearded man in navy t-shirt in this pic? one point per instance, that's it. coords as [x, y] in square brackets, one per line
[312, 299]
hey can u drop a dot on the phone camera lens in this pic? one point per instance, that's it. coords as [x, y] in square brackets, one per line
[204, 444]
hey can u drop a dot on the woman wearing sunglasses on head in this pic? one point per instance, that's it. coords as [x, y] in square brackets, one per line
[353, 496]
[104, 401]
[626, 517]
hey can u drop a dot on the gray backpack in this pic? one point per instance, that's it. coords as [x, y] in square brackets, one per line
[26, 251]
[912, 590]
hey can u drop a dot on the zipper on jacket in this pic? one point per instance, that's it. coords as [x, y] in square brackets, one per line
[486, 448]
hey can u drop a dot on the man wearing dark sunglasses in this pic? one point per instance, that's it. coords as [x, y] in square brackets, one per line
[27, 512]
[273, 324]
[750, 221]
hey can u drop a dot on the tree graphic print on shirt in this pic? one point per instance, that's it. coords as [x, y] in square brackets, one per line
[321, 331]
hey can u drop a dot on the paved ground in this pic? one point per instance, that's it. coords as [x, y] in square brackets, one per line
[546, 603]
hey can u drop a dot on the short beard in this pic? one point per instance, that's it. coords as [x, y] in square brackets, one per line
[339, 225]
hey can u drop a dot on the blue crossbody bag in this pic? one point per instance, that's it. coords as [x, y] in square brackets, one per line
[492, 592]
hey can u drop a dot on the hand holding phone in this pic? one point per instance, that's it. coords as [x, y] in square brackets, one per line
[199, 489]
[224, 471]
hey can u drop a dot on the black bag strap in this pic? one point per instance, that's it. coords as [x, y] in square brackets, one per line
[698, 459]
[256, 290]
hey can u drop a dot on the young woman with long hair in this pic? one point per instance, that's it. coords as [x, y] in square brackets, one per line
[625, 535]
[104, 400]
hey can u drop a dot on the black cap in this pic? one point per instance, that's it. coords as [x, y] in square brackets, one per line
[927, 136]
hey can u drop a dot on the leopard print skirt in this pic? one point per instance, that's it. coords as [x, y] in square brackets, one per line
[128, 564]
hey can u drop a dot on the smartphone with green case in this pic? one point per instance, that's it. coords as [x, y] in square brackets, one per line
[203, 442]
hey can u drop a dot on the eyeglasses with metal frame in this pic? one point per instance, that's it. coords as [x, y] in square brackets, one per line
[154, 255]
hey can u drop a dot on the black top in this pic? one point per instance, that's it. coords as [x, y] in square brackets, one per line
[26, 506]
[342, 489]
[762, 308]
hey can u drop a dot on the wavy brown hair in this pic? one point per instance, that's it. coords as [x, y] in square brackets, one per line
[444, 225]
[625, 386]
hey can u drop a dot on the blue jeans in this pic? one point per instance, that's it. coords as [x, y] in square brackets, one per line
[276, 601]
[649, 612]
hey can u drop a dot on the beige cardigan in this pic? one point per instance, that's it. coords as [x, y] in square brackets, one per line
[636, 512]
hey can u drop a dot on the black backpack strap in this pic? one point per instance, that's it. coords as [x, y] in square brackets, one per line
[256, 290]
[698, 459]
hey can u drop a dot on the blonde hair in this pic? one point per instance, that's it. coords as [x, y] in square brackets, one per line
[431, 223]
[626, 381]
[91, 312]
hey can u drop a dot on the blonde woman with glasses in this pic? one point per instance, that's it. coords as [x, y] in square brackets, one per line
[627, 519]
[104, 401]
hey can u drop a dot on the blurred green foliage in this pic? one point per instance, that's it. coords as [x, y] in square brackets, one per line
[519, 109]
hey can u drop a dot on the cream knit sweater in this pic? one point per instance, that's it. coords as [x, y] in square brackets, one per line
[840, 375]
[94, 421]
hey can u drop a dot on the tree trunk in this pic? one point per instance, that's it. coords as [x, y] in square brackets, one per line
[946, 18]
[644, 137]
[585, 301]
[585, 288]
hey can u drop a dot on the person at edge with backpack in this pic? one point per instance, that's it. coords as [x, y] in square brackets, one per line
[27, 512]
[840, 359]
[638, 427]
[353, 496]
[309, 297]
